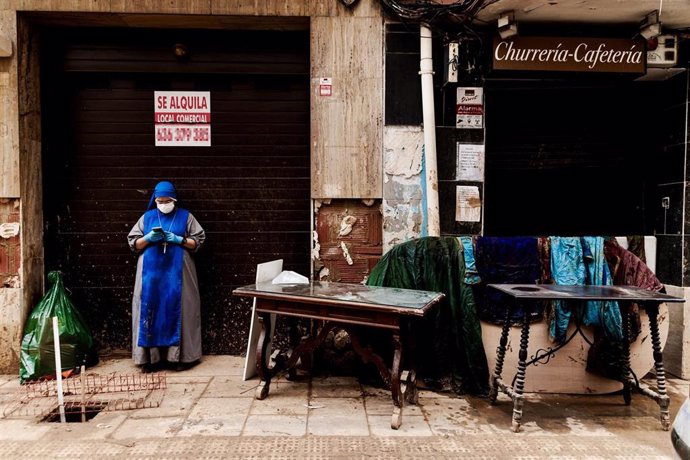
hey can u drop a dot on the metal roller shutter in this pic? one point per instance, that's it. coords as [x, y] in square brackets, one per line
[249, 190]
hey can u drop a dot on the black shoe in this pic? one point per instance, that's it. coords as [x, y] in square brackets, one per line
[148, 368]
[184, 366]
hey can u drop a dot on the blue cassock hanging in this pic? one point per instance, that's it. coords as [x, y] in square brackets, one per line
[161, 282]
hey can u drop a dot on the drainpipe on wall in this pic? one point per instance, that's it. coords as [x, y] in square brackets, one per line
[426, 70]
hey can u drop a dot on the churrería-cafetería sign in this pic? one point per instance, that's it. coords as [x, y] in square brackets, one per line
[569, 54]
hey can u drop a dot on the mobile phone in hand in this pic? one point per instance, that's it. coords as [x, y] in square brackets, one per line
[158, 229]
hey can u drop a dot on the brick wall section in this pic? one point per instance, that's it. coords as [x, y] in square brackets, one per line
[10, 248]
[363, 244]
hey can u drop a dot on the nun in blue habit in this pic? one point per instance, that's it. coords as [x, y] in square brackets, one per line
[166, 308]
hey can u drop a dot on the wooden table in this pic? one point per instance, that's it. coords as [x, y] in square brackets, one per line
[342, 306]
[625, 295]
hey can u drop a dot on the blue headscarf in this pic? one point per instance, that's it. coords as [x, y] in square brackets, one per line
[163, 188]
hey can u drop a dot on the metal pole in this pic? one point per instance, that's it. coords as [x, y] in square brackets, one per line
[58, 370]
[82, 375]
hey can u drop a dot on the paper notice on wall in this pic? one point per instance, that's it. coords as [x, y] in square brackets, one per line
[468, 204]
[470, 162]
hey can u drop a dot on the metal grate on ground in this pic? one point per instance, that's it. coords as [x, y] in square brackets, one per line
[87, 394]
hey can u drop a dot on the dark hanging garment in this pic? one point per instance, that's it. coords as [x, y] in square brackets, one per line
[636, 246]
[629, 270]
[513, 260]
[605, 356]
[449, 341]
[544, 245]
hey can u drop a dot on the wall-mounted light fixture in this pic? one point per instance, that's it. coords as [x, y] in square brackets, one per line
[651, 26]
[181, 51]
[507, 26]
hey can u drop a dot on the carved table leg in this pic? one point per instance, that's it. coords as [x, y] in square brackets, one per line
[500, 356]
[308, 358]
[409, 385]
[366, 353]
[627, 379]
[409, 376]
[396, 390]
[518, 398]
[261, 356]
[294, 342]
[663, 399]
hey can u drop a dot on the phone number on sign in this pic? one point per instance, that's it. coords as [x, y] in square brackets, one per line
[172, 135]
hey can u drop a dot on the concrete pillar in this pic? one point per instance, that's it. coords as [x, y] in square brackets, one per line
[11, 293]
[672, 225]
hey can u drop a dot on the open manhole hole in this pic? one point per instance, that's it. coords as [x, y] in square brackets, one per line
[75, 412]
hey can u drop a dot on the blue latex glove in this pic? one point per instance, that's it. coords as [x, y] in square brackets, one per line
[153, 237]
[170, 237]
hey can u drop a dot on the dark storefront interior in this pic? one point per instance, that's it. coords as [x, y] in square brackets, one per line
[578, 157]
[249, 190]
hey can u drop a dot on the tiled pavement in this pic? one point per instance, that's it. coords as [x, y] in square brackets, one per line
[209, 412]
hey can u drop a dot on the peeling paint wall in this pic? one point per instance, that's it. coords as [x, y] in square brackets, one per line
[402, 184]
[11, 324]
[347, 239]
[10, 247]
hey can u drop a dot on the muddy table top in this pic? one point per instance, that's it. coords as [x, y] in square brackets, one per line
[557, 292]
[403, 301]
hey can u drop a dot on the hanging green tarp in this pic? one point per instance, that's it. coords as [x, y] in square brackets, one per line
[37, 356]
[449, 341]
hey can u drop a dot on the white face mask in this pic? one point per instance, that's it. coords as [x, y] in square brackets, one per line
[166, 208]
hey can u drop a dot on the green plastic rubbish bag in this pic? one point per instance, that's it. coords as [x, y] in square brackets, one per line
[37, 356]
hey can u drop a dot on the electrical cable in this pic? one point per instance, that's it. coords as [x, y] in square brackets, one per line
[429, 12]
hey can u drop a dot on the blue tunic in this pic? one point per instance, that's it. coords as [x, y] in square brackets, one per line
[161, 290]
